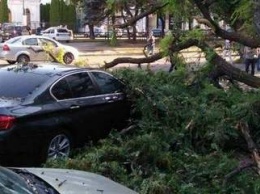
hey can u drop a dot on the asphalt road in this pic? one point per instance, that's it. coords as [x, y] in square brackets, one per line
[96, 53]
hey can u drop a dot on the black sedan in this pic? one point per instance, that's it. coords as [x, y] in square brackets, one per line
[46, 109]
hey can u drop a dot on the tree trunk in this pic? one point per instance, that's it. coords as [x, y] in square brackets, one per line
[91, 31]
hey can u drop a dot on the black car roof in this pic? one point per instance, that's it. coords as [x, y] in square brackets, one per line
[42, 68]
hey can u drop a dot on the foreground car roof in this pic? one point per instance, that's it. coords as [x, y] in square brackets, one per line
[68, 181]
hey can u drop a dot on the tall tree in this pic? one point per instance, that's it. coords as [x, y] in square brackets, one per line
[3, 11]
[55, 13]
[45, 13]
[95, 12]
[70, 16]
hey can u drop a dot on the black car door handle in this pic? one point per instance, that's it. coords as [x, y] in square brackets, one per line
[74, 106]
[111, 98]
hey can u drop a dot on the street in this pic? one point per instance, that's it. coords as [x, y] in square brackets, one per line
[96, 53]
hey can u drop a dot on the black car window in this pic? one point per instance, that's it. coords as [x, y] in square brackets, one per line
[30, 41]
[81, 85]
[107, 83]
[61, 90]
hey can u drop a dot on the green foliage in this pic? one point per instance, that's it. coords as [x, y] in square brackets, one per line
[165, 42]
[94, 11]
[45, 12]
[57, 53]
[60, 13]
[55, 13]
[3, 11]
[195, 33]
[113, 39]
[180, 8]
[70, 16]
[185, 139]
[244, 11]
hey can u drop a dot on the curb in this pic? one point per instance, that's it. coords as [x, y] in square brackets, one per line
[109, 53]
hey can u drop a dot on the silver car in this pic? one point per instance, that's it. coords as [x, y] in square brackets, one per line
[57, 181]
[31, 48]
[58, 33]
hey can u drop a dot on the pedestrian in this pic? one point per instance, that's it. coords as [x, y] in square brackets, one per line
[29, 30]
[250, 57]
[258, 59]
[150, 44]
[227, 50]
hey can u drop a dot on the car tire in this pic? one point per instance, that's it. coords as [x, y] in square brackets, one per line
[23, 59]
[68, 58]
[11, 62]
[58, 146]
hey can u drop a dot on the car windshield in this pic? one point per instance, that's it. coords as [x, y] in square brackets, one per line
[11, 183]
[19, 82]
[62, 30]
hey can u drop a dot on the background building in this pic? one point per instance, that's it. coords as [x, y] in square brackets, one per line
[26, 12]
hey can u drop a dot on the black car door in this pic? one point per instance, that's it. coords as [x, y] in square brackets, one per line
[116, 106]
[82, 107]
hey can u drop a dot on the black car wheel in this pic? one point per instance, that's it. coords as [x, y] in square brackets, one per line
[59, 146]
[68, 58]
[10, 62]
[23, 59]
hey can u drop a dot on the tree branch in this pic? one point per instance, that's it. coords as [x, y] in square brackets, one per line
[151, 9]
[133, 60]
[221, 66]
[250, 144]
[232, 36]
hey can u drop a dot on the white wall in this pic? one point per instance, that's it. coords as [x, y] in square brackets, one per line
[16, 8]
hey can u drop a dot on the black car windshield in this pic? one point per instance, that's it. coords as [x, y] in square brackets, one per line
[11, 183]
[19, 83]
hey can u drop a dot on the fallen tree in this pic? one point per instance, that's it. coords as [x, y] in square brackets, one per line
[220, 66]
[230, 13]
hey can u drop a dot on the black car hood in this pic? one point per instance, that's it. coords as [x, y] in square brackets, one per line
[9, 102]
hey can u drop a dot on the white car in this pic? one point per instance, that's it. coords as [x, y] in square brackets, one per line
[30, 48]
[57, 181]
[58, 33]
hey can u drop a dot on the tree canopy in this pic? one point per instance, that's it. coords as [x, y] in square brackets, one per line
[3, 11]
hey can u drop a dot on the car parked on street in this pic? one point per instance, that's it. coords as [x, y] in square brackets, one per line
[31, 48]
[58, 33]
[97, 32]
[47, 109]
[57, 181]
[12, 30]
[157, 32]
